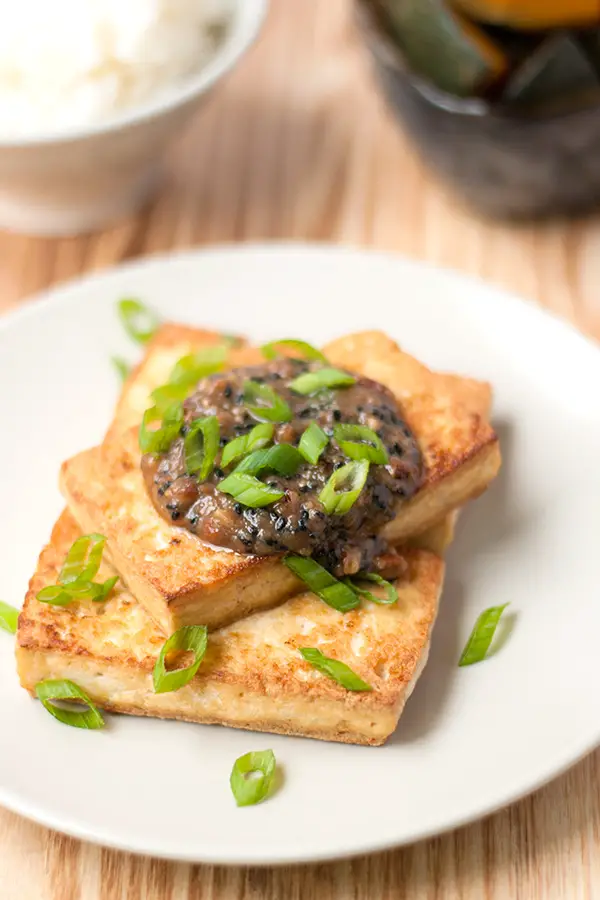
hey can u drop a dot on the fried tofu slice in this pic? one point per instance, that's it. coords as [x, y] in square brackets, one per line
[448, 416]
[178, 578]
[253, 675]
[181, 580]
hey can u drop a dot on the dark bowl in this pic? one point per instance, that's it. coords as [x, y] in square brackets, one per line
[505, 164]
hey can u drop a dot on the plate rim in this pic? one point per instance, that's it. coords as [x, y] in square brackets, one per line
[57, 295]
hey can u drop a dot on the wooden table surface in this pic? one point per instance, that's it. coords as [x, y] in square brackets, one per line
[298, 144]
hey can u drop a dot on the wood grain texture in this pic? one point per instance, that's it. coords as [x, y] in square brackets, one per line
[298, 144]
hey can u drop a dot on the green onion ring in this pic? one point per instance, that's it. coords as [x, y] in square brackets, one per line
[334, 669]
[391, 594]
[284, 459]
[249, 791]
[304, 350]
[139, 321]
[259, 437]
[192, 638]
[160, 439]
[313, 382]
[344, 487]
[273, 407]
[333, 592]
[482, 635]
[62, 689]
[201, 445]
[9, 618]
[188, 370]
[248, 490]
[83, 559]
[360, 442]
[312, 443]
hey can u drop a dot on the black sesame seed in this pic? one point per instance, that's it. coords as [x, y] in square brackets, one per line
[228, 391]
[270, 542]
[337, 415]
[245, 541]
[219, 472]
[304, 489]
[237, 508]
[302, 525]
[252, 530]
[280, 523]
[304, 515]
[175, 515]
[194, 519]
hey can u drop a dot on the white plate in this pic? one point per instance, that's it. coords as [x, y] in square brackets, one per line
[471, 739]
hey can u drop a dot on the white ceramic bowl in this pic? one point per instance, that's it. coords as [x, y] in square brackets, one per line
[80, 180]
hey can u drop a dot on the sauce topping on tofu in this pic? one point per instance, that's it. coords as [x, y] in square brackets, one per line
[298, 522]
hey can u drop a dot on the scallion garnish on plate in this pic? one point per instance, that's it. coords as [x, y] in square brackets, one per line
[334, 669]
[252, 777]
[9, 617]
[313, 382]
[139, 321]
[248, 490]
[360, 442]
[344, 487]
[260, 436]
[333, 592]
[201, 446]
[391, 594]
[304, 350]
[158, 440]
[65, 690]
[482, 635]
[190, 638]
[271, 408]
[312, 443]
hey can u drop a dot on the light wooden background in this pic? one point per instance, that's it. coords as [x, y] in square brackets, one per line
[298, 144]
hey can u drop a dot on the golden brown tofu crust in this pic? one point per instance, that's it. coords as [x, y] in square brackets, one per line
[253, 675]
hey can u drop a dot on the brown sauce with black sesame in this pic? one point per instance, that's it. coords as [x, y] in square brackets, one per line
[296, 523]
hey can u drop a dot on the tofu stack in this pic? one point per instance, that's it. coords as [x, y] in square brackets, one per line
[259, 614]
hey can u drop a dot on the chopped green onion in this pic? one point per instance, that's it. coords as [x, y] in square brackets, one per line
[312, 443]
[9, 617]
[83, 559]
[123, 368]
[360, 442]
[62, 689]
[75, 578]
[192, 638]
[335, 594]
[259, 437]
[391, 594]
[194, 366]
[313, 382]
[139, 321]
[272, 408]
[344, 487]
[55, 595]
[481, 637]
[335, 669]
[166, 395]
[186, 373]
[248, 490]
[201, 446]
[304, 350]
[159, 440]
[260, 766]
[282, 458]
